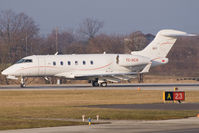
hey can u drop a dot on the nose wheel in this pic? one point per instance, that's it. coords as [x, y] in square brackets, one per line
[22, 84]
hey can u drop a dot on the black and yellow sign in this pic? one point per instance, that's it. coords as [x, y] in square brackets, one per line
[168, 96]
[173, 95]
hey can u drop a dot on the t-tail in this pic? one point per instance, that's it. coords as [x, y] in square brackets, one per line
[159, 48]
[162, 44]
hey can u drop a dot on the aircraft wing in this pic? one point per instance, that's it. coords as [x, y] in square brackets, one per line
[112, 77]
[102, 75]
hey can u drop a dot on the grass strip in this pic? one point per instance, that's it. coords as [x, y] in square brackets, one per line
[17, 123]
[24, 109]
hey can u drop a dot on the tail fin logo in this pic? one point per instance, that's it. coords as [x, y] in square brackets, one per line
[164, 43]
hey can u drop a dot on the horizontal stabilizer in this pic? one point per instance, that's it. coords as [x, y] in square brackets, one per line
[179, 35]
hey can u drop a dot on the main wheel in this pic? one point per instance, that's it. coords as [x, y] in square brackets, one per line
[95, 84]
[103, 84]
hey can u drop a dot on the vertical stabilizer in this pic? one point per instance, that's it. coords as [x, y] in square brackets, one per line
[162, 44]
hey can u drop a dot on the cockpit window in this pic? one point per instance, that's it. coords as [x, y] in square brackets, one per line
[20, 61]
[24, 61]
[28, 60]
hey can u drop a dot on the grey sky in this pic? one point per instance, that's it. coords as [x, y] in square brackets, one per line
[119, 16]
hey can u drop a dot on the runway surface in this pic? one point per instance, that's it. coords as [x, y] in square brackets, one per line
[190, 125]
[155, 106]
[163, 86]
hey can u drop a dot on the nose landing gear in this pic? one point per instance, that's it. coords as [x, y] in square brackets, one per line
[22, 84]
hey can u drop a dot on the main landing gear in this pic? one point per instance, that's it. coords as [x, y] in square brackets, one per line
[140, 78]
[96, 83]
[103, 84]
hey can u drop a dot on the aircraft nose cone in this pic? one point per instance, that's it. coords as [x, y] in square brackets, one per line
[4, 72]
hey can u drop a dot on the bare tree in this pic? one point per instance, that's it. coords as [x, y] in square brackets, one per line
[89, 27]
[64, 39]
[16, 32]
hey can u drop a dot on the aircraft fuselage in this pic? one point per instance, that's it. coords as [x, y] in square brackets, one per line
[71, 65]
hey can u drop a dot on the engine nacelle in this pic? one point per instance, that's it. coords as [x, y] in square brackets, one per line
[159, 61]
[132, 60]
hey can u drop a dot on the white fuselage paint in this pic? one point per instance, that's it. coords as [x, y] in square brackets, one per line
[83, 64]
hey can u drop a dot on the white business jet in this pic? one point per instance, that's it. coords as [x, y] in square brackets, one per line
[97, 68]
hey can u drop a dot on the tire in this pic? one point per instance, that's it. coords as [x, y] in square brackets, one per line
[22, 85]
[103, 84]
[95, 84]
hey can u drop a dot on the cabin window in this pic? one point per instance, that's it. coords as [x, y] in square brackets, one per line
[91, 62]
[76, 62]
[84, 62]
[61, 63]
[69, 63]
[54, 63]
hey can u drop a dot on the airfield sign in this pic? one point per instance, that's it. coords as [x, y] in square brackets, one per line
[174, 96]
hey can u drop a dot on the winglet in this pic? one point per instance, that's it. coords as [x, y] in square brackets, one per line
[56, 53]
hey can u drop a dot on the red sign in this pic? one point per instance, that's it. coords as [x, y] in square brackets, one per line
[179, 95]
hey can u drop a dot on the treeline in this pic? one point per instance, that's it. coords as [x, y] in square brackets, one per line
[20, 36]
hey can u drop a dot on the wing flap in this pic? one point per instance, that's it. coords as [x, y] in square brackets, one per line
[112, 79]
[121, 77]
[66, 75]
